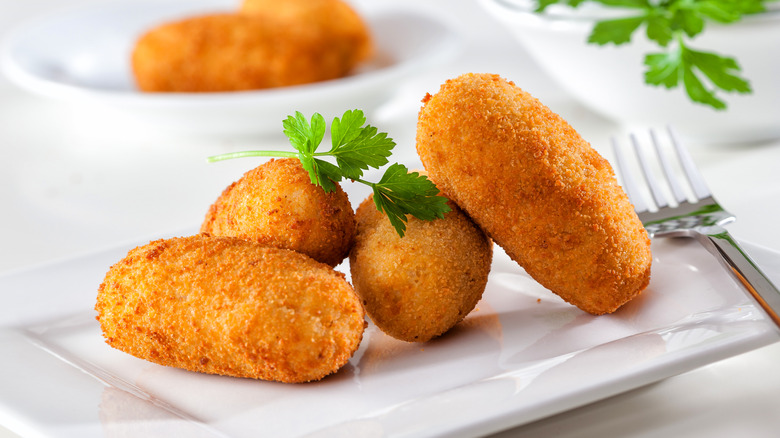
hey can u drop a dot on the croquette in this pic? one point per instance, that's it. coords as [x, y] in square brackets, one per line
[228, 306]
[419, 286]
[276, 204]
[536, 188]
[234, 52]
[344, 28]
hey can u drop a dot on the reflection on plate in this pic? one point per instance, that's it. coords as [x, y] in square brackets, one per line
[83, 55]
[523, 354]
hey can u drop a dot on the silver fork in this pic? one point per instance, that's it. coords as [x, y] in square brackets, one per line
[700, 217]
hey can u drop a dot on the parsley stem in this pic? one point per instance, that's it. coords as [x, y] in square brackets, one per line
[368, 183]
[242, 154]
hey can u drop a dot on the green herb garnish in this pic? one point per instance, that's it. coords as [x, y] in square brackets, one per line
[671, 24]
[356, 147]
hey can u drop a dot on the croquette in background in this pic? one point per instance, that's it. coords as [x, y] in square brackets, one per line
[265, 45]
[343, 28]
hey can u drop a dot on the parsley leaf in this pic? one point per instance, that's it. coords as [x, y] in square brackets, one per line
[690, 65]
[702, 74]
[631, 4]
[663, 68]
[400, 192]
[304, 136]
[321, 172]
[659, 29]
[687, 20]
[718, 69]
[356, 147]
[617, 31]
[543, 4]
[728, 11]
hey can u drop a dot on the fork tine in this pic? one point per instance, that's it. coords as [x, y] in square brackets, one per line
[674, 182]
[655, 189]
[629, 183]
[691, 171]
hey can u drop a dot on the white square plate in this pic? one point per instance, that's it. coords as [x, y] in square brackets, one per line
[523, 354]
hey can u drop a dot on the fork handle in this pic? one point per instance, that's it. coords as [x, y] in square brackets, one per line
[719, 242]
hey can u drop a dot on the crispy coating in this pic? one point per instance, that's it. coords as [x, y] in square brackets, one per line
[232, 307]
[276, 204]
[419, 286]
[537, 188]
[347, 31]
[232, 52]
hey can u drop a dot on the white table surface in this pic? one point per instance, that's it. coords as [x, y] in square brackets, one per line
[74, 180]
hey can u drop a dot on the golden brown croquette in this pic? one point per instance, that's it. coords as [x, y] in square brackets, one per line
[344, 30]
[229, 306]
[418, 286]
[537, 188]
[234, 52]
[276, 204]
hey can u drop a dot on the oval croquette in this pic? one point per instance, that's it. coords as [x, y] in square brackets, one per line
[537, 188]
[234, 52]
[232, 307]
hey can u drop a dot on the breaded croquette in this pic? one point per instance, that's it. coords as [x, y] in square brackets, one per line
[232, 52]
[537, 188]
[232, 307]
[418, 286]
[339, 22]
[276, 204]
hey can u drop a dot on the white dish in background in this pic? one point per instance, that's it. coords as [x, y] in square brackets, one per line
[83, 55]
[523, 354]
[610, 79]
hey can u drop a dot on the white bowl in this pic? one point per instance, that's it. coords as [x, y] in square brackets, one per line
[610, 79]
[83, 55]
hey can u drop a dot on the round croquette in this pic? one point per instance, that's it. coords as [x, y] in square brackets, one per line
[276, 204]
[419, 286]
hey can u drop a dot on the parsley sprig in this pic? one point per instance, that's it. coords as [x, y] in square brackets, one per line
[671, 24]
[356, 147]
